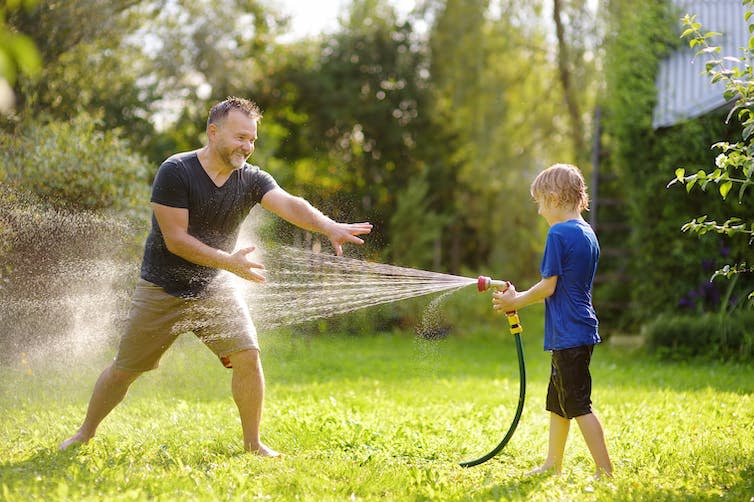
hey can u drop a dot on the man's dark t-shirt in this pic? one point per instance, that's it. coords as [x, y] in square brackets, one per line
[215, 216]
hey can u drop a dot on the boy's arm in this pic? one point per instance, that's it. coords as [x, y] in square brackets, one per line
[510, 299]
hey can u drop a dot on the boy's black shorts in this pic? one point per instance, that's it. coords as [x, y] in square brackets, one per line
[570, 391]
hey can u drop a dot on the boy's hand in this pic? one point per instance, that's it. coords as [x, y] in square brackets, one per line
[505, 300]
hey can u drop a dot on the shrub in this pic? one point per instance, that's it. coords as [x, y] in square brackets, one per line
[717, 336]
[73, 212]
[73, 165]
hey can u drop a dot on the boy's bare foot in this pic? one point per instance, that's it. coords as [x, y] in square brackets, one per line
[264, 451]
[549, 470]
[602, 473]
[75, 440]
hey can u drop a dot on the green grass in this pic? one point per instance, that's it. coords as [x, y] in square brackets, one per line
[381, 417]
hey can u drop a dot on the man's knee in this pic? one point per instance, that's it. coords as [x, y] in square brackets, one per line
[246, 360]
[119, 376]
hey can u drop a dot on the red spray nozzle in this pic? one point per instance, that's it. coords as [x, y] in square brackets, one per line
[484, 283]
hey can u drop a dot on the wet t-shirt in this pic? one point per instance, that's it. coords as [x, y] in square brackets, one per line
[215, 217]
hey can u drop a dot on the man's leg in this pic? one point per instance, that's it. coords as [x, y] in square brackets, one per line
[594, 437]
[248, 392]
[109, 390]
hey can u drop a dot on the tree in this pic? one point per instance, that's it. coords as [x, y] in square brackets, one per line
[734, 166]
[575, 32]
[89, 64]
[351, 109]
[491, 73]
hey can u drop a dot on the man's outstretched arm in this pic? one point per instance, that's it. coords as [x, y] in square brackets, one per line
[301, 213]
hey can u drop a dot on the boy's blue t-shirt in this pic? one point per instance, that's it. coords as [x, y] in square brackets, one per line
[571, 253]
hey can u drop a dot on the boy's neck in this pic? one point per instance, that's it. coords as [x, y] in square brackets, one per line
[560, 215]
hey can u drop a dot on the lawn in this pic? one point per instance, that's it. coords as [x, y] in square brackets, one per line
[379, 417]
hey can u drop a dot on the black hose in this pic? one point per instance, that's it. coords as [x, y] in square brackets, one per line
[519, 410]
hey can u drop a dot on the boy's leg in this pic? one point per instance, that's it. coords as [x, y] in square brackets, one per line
[594, 437]
[559, 428]
[110, 389]
[559, 424]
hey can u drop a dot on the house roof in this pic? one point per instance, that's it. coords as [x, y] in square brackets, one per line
[683, 88]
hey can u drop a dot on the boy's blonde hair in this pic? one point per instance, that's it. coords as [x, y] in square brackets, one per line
[561, 185]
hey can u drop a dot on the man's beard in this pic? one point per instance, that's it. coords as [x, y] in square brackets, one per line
[234, 158]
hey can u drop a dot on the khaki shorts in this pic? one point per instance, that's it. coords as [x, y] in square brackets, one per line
[219, 318]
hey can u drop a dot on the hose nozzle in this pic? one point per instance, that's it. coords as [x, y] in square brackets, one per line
[484, 283]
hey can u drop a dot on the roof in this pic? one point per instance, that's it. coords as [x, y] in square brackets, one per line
[683, 88]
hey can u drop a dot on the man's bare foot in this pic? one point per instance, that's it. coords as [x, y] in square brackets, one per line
[75, 440]
[264, 451]
[549, 470]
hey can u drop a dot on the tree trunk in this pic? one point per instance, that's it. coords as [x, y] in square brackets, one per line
[574, 113]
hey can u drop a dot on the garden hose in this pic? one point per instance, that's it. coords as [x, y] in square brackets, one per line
[514, 323]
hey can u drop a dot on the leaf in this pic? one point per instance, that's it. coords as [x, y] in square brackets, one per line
[709, 65]
[725, 188]
[680, 173]
[690, 184]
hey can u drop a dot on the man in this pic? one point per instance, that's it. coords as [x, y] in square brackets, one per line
[199, 200]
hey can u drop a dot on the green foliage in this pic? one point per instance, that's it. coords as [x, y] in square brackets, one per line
[353, 109]
[73, 209]
[18, 53]
[717, 336]
[665, 266]
[735, 165]
[91, 63]
[74, 165]
[416, 230]
[377, 418]
[493, 100]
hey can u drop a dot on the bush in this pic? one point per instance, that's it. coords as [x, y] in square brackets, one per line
[73, 165]
[73, 213]
[717, 336]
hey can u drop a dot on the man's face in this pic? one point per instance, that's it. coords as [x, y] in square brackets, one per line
[233, 138]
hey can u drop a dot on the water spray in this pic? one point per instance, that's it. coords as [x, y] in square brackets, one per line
[483, 284]
[304, 285]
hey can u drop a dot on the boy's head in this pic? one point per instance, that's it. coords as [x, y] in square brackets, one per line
[561, 186]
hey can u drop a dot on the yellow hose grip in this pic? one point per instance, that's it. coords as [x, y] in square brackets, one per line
[514, 322]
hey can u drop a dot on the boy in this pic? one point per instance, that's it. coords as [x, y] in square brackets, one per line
[568, 267]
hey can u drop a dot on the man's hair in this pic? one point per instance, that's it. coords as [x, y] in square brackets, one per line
[223, 108]
[562, 185]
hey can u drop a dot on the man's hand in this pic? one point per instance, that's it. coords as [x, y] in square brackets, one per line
[302, 214]
[340, 233]
[242, 266]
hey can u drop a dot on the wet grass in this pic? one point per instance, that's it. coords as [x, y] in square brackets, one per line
[379, 417]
